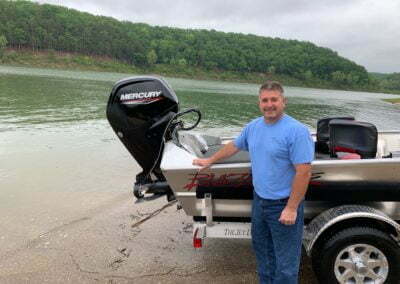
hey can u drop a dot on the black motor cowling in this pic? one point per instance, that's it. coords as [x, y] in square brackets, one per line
[139, 110]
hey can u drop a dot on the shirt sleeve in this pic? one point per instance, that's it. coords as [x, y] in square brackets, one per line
[302, 147]
[241, 141]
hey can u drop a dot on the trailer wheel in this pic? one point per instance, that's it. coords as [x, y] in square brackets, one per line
[358, 255]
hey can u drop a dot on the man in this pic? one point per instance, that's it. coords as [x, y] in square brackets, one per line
[281, 151]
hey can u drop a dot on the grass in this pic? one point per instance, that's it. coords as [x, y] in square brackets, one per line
[393, 101]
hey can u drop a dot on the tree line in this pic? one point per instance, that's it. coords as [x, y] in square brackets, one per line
[391, 82]
[47, 27]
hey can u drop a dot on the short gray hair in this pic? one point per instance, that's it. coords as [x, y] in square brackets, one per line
[271, 86]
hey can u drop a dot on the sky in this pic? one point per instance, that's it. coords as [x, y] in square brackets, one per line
[364, 31]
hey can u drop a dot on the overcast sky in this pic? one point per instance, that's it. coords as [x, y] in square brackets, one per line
[364, 31]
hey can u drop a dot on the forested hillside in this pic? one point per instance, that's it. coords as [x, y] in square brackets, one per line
[48, 27]
[389, 82]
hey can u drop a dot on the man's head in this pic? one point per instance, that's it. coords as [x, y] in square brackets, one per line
[271, 101]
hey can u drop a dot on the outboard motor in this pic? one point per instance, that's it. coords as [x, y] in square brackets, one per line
[140, 111]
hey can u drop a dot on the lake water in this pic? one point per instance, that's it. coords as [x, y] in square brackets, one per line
[59, 156]
[32, 98]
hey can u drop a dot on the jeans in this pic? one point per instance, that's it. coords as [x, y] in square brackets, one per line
[277, 247]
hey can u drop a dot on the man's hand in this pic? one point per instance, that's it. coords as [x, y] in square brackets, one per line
[299, 188]
[203, 163]
[225, 152]
[288, 216]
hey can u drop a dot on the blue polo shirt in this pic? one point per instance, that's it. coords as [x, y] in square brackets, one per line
[274, 150]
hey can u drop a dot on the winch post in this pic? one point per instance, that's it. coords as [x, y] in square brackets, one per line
[208, 207]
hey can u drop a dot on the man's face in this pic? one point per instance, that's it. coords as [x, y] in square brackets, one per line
[271, 103]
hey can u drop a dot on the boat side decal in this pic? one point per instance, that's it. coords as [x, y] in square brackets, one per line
[212, 180]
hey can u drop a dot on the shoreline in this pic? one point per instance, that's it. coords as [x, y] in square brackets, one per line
[72, 61]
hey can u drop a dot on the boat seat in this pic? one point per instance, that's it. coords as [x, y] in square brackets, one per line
[322, 143]
[204, 146]
[353, 137]
[199, 144]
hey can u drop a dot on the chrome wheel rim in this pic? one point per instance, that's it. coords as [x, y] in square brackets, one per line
[361, 263]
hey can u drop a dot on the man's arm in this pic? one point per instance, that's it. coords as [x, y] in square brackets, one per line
[299, 189]
[228, 150]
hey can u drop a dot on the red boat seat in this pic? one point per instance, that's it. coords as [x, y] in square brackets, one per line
[349, 156]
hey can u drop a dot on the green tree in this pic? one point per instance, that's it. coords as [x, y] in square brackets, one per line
[352, 78]
[151, 57]
[308, 75]
[271, 69]
[339, 78]
[182, 62]
[3, 44]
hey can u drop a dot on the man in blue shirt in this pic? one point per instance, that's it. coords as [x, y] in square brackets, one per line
[281, 151]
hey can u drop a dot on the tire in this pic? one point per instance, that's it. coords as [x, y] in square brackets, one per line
[343, 257]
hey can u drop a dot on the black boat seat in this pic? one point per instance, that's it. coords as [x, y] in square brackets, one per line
[353, 137]
[322, 143]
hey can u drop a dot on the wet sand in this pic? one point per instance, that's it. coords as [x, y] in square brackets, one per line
[111, 244]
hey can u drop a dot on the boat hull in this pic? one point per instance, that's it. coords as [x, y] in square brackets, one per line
[375, 182]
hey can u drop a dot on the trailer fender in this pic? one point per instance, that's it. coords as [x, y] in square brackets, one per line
[336, 215]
